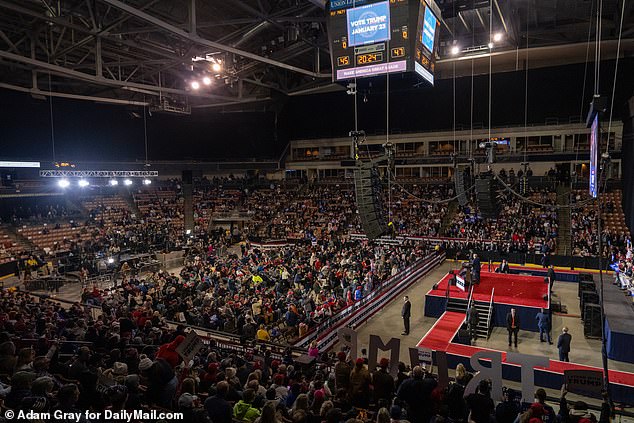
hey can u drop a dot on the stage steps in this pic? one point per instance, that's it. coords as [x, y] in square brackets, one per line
[484, 319]
[458, 305]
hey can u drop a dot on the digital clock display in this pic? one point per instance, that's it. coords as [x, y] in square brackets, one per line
[343, 60]
[398, 52]
[364, 59]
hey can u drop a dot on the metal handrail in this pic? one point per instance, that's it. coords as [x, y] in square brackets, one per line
[470, 300]
[490, 311]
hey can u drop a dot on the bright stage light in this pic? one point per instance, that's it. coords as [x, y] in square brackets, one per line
[207, 80]
[83, 183]
[455, 50]
[127, 182]
[114, 182]
[147, 182]
[63, 183]
[490, 45]
[497, 37]
[110, 260]
[216, 67]
[195, 85]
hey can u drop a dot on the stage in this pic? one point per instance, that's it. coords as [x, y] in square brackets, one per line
[524, 293]
[442, 335]
[619, 322]
[560, 275]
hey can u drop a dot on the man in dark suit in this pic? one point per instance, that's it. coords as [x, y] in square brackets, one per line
[543, 323]
[475, 271]
[504, 267]
[563, 344]
[406, 312]
[472, 319]
[513, 325]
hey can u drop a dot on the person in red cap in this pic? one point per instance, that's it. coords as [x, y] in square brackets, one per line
[383, 382]
[342, 372]
[360, 385]
[168, 351]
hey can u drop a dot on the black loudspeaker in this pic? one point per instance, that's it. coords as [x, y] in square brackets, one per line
[486, 197]
[188, 200]
[592, 321]
[187, 177]
[585, 285]
[587, 297]
[369, 201]
[459, 182]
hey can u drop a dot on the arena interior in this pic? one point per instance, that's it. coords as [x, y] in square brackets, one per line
[316, 211]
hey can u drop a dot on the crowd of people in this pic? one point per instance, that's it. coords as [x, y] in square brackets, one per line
[520, 227]
[585, 230]
[69, 360]
[262, 294]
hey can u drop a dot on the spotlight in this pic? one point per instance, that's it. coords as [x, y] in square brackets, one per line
[127, 182]
[110, 260]
[147, 182]
[490, 45]
[83, 183]
[455, 50]
[195, 85]
[63, 183]
[114, 182]
[216, 67]
[497, 37]
[207, 80]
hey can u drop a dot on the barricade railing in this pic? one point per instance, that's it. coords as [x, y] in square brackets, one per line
[352, 316]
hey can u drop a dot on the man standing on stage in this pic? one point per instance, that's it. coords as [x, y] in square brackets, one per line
[513, 325]
[504, 267]
[563, 344]
[475, 271]
[406, 312]
[543, 323]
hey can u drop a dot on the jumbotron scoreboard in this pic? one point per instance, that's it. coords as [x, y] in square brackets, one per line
[369, 37]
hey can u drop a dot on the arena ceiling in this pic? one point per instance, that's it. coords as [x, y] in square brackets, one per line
[139, 52]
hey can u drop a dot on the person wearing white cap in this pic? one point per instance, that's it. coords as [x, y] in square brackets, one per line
[144, 363]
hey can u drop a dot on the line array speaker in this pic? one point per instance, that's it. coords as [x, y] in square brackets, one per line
[486, 197]
[459, 182]
[369, 201]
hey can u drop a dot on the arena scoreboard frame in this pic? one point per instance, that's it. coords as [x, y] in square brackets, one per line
[370, 37]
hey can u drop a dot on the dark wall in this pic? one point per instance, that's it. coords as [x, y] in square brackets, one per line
[628, 159]
[552, 92]
[88, 131]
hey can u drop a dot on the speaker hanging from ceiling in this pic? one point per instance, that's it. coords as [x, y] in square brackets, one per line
[369, 200]
[486, 197]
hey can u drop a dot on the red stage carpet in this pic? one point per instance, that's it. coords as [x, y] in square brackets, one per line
[444, 330]
[509, 289]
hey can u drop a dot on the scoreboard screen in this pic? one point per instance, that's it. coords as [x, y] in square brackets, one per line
[368, 24]
[427, 30]
[368, 37]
